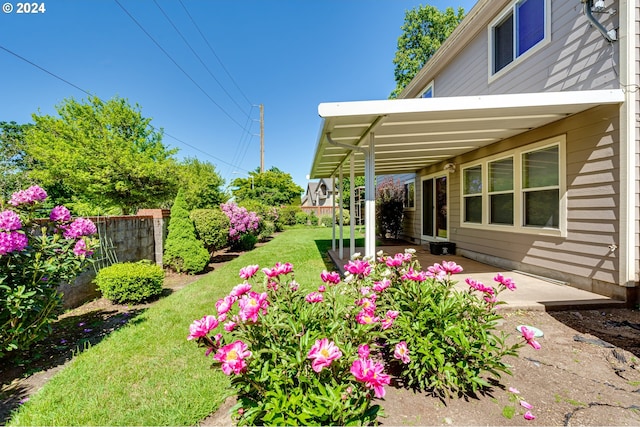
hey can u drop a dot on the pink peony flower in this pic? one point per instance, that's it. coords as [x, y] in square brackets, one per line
[479, 286]
[200, 328]
[363, 351]
[381, 285]
[417, 276]
[401, 352]
[358, 267]
[529, 336]
[314, 297]
[10, 221]
[332, 278]
[371, 374]
[322, 288]
[505, 281]
[367, 304]
[248, 271]
[60, 214]
[323, 352]
[232, 357]
[278, 269]
[223, 305]
[251, 305]
[240, 290]
[366, 317]
[450, 267]
[230, 326]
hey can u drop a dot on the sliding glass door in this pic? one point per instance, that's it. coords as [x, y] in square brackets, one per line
[434, 208]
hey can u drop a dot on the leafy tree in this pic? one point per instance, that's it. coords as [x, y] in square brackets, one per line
[272, 187]
[346, 193]
[105, 153]
[14, 161]
[201, 184]
[389, 207]
[425, 29]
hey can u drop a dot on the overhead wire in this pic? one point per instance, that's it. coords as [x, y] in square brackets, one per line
[199, 58]
[179, 67]
[93, 95]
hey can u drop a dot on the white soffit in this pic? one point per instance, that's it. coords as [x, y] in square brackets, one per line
[414, 133]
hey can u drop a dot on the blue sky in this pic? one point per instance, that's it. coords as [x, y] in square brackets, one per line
[288, 55]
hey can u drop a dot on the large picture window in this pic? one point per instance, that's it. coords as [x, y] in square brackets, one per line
[523, 189]
[521, 27]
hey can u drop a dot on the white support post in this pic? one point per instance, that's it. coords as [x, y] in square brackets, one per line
[352, 205]
[341, 242]
[333, 214]
[370, 199]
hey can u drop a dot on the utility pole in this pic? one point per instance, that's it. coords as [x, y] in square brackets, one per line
[261, 138]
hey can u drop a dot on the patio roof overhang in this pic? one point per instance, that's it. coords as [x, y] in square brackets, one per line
[411, 134]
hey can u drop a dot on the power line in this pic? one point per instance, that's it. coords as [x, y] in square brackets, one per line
[179, 67]
[92, 95]
[214, 53]
[199, 58]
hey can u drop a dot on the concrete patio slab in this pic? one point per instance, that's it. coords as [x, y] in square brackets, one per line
[533, 292]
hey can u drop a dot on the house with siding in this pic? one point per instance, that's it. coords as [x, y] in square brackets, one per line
[319, 197]
[521, 139]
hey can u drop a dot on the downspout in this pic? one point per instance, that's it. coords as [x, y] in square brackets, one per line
[610, 35]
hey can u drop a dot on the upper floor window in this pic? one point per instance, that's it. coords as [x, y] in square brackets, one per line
[521, 27]
[428, 92]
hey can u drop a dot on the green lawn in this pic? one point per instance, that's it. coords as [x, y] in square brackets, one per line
[147, 373]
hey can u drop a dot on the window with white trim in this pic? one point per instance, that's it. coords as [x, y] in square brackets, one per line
[428, 91]
[409, 199]
[521, 27]
[521, 190]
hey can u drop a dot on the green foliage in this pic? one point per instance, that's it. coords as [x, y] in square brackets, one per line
[246, 242]
[278, 384]
[326, 221]
[389, 207]
[288, 214]
[130, 282]
[31, 273]
[425, 28]
[302, 218]
[14, 161]
[105, 153]
[201, 184]
[272, 187]
[346, 192]
[450, 334]
[346, 218]
[212, 228]
[183, 251]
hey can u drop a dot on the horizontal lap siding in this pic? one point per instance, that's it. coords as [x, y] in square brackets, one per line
[577, 58]
[592, 203]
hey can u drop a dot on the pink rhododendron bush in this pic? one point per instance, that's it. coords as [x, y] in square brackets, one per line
[35, 257]
[319, 354]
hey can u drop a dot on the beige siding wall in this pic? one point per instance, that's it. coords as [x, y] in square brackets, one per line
[583, 257]
[577, 58]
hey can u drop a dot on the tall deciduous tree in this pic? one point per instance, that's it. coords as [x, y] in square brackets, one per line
[104, 153]
[201, 184]
[14, 161]
[425, 29]
[272, 187]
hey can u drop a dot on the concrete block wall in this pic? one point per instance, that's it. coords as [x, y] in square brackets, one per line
[129, 239]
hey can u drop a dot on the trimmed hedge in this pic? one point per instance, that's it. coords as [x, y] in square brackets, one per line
[130, 282]
[212, 227]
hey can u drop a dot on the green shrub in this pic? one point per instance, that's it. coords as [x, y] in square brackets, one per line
[313, 218]
[326, 221]
[269, 218]
[288, 214]
[345, 217]
[130, 282]
[266, 230]
[389, 208]
[246, 242]
[183, 251]
[302, 218]
[212, 228]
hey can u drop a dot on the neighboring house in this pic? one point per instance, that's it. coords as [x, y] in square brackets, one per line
[522, 132]
[319, 197]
